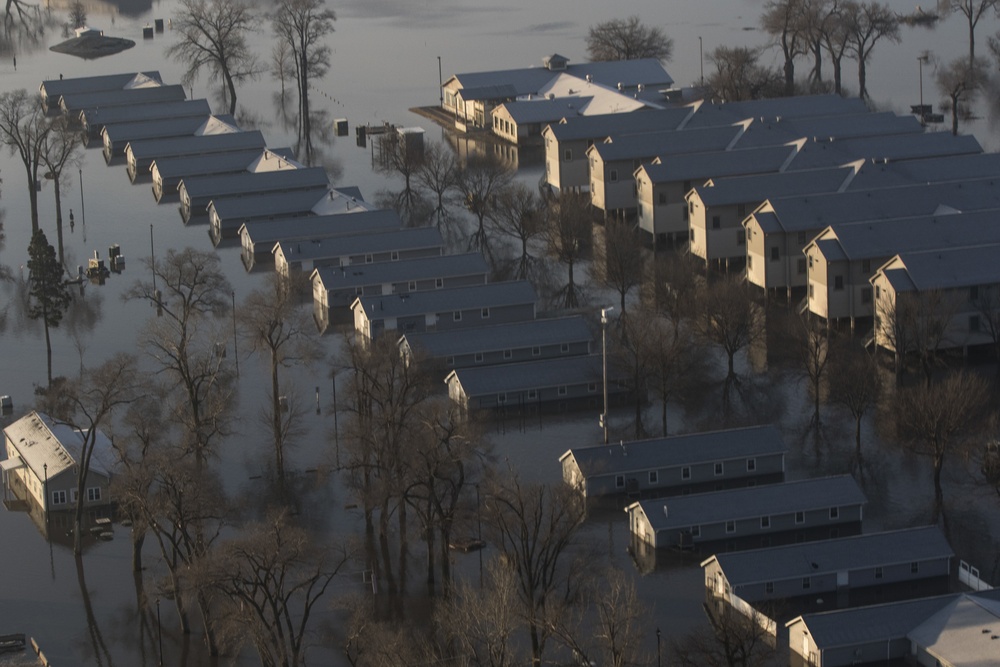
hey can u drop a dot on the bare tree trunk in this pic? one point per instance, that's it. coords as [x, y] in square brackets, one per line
[59, 223]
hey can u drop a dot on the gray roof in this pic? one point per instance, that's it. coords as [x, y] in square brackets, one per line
[515, 335]
[55, 88]
[668, 142]
[826, 153]
[381, 273]
[208, 186]
[50, 447]
[496, 91]
[542, 374]
[544, 111]
[769, 131]
[236, 160]
[885, 238]
[516, 82]
[615, 124]
[819, 210]
[268, 232]
[877, 623]
[752, 502]
[795, 561]
[722, 163]
[784, 107]
[758, 187]
[122, 133]
[938, 169]
[962, 633]
[409, 238]
[447, 300]
[947, 268]
[96, 118]
[155, 149]
[234, 211]
[678, 450]
[76, 102]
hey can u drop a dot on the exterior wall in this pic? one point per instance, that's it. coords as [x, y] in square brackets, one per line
[441, 321]
[514, 355]
[805, 653]
[818, 278]
[583, 394]
[284, 267]
[717, 233]
[679, 478]
[756, 264]
[564, 174]
[62, 485]
[343, 298]
[664, 212]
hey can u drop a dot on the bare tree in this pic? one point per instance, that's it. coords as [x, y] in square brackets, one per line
[77, 14]
[282, 64]
[676, 364]
[400, 157]
[213, 35]
[480, 182]
[438, 173]
[569, 230]
[867, 24]
[304, 25]
[739, 75]
[854, 383]
[784, 21]
[627, 39]
[987, 303]
[619, 260]
[733, 640]
[190, 295]
[532, 526]
[61, 149]
[811, 347]
[276, 325]
[937, 420]
[836, 37]
[24, 129]
[973, 11]
[518, 216]
[271, 578]
[730, 319]
[48, 293]
[959, 81]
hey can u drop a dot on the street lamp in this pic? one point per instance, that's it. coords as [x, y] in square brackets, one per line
[701, 60]
[604, 355]
[159, 632]
[658, 647]
[440, 83]
[921, 59]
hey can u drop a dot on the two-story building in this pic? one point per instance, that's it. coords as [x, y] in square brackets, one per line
[344, 251]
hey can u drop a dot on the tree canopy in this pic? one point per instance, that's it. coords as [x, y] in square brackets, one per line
[627, 39]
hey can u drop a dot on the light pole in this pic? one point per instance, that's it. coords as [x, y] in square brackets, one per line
[604, 355]
[440, 83]
[159, 632]
[658, 648]
[701, 60]
[921, 59]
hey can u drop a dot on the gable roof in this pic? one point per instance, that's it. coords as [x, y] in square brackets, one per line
[799, 106]
[357, 244]
[752, 502]
[529, 80]
[693, 166]
[541, 332]
[834, 555]
[238, 159]
[50, 447]
[668, 142]
[510, 293]
[268, 232]
[945, 268]
[829, 152]
[677, 450]
[479, 381]
[209, 185]
[169, 127]
[380, 273]
[937, 169]
[73, 103]
[233, 210]
[56, 88]
[758, 187]
[145, 149]
[98, 117]
[963, 632]
[602, 125]
[764, 131]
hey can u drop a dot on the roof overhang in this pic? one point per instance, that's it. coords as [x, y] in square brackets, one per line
[12, 464]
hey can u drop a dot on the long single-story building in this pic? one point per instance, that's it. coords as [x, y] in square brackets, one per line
[72, 104]
[93, 121]
[52, 90]
[167, 172]
[197, 191]
[801, 507]
[380, 246]
[678, 464]
[116, 136]
[142, 153]
[227, 214]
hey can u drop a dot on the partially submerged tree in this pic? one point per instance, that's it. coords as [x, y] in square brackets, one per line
[854, 384]
[730, 319]
[867, 24]
[619, 260]
[77, 14]
[739, 75]
[569, 231]
[23, 129]
[973, 11]
[784, 21]
[480, 181]
[438, 174]
[48, 293]
[60, 150]
[733, 640]
[214, 36]
[518, 216]
[627, 39]
[959, 81]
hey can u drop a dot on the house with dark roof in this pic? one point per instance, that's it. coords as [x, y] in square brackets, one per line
[335, 287]
[377, 247]
[227, 214]
[956, 629]
[771, 513]
[52, 90]
[686, 463]
[72, 104]
[197, 191]
[547, 338]
[93, 121]
[141, 154]
[167, 172]
[116, 136]
[533, 387]
[442, 309]
[779, 583]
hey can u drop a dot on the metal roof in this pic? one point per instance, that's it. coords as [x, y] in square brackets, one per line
[752, 502]
[613, 124]
[964, 632]
[799, 106]
[877, 623]
[212, 163]
[769, 131]
[695, 166]
[408, 238]
[791, 214]
[49, 447]
[233, 183]
[949, 268]
[234, 211]
[381, 273]
[758, 187]
[268, 232]
[447, 300]
[56, 88]
[834, 555]
[76, 102]
[530, 333]
[155, 149]
[542, 374]
[668, 142]
[95, 118]
[686, 449]
[517, 82]
[543, 110]
[122, 133]
[603, 98]
[937, 169]
[828, 153]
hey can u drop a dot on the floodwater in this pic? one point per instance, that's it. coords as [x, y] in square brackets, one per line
[384, 61]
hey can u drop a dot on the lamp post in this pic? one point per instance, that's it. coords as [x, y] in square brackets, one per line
[440, 83]
[701, 60]
[159, 632]
[658, 648]
[921, 59]
[604, 356]
[45, 490]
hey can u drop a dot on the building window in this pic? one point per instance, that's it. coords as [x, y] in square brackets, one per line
[536, 351]
[691, 235]
[508, 354]
[801, 238]
[695, 531]
[914, 567]
[749, 261]
[502, 398]
[564, 348]
[592, 387]
[359, 291]
[568, 154]
[532, 394]
[479, 357]
[769, 587]
[718, 468]
[812, 290]
[800, 266]
[866, 266]
[457, 316]
[687, 186]
[613, 176]
[973, 323]
[810, 261]
[974, 293]
[438, 283]
[800, 517]
[838, 282]
[93, 494]
[485, 313]
[662, 198]
[805, 583]
[741, 236]
[58, 497]
[878, 572]
[751, 465]
[775, 255]
[449, 361]
[730, 526]
[619, 481]
[369, 259]
[765, 522]
[686, 472]
[654, 477]
[412, 286]
[562, 391]
[866, 295]
[716, 222]
[834, 512]
[394, 255]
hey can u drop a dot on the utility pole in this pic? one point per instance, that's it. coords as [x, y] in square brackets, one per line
[604, 355]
